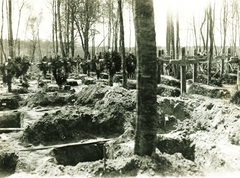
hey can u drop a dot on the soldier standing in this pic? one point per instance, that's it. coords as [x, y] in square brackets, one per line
[8, 73]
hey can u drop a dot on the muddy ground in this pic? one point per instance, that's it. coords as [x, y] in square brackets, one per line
[198, 132]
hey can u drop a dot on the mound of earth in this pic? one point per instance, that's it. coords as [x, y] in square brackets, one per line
[111, 115]
[236, 98]
[166, 90]
[197, 136]
[210, 91]
[171, 81]
[10, 119]
[91, 94]
[44, 99]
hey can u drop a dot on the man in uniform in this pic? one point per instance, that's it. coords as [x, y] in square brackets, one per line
[8, 73]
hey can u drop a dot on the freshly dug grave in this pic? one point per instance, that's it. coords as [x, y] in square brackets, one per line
[9, 102]
[107, 117]
[73, 126]
[10, 119]
[8, 158]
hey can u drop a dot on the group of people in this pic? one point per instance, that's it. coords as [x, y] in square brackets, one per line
[16, 67]
[101, 62]
[61, 67]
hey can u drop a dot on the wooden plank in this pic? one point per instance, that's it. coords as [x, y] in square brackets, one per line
[11, 129]
[66, 145]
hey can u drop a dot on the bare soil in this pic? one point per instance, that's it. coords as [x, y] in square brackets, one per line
[198, 136]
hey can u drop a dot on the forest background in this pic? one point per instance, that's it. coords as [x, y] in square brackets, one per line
[36, 30]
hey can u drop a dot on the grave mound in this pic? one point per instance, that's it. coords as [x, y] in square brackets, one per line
[171, 81]
[236, 98]
[110, 114]
[166, 90]
[91, 94]
[210, 91]
[46, 99]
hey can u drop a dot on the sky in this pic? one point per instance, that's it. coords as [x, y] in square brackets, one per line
[186, 9]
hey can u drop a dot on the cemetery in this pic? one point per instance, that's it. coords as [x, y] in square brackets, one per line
[198, 127]
[146, 110]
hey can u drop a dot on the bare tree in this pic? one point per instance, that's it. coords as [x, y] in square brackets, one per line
[146, 123]
[122, 46]
[55, 25]
[177, 37]
[195, 33]
[17, 44]
[33, 27]
[1, 38]
[60, 28]
[224, 24]
[201, 30]
[211, 36]
[87, 14]
[10, 32]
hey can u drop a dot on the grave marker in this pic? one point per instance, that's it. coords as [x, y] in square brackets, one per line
[183, 63]
[236, 60]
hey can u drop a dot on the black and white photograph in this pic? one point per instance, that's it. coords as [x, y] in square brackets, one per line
[119, 88]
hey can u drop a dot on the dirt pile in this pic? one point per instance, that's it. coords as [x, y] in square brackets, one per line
[110, 113]
[196, 136]
[236, 98]
[44, 99]
[10, 119]
[210, 91]
[166, 90]
[171, 81]
[8, 159]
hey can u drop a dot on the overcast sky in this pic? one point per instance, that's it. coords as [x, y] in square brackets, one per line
[186, 9]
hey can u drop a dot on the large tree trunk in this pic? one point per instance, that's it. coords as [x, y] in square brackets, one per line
[146, 122]
[10, 32]
[124, 81]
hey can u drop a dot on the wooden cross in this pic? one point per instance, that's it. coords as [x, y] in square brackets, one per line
[161, 60]
[183, 63]
[223, 58]
[236, 60]
[195, 60]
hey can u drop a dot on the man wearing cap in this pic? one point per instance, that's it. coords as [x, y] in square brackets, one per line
[8, 73]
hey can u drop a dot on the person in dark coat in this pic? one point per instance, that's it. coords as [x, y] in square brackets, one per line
[8, 73]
